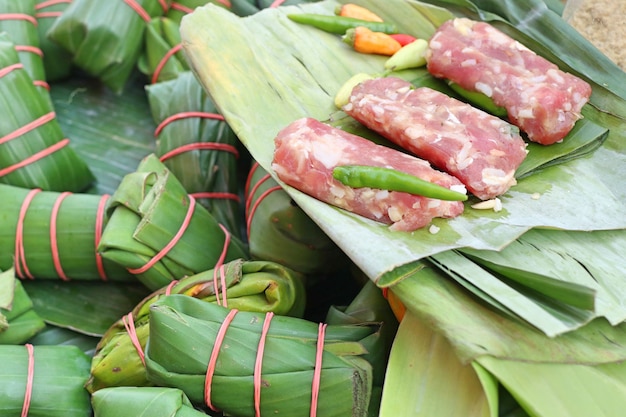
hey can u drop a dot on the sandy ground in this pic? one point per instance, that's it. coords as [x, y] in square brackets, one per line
[603, 22]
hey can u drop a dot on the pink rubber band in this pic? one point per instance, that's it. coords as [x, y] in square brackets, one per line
[181, 8]
[200, 146]
[4, 71]
[221, 288]
[98, 235]
[220, 263]
[246, 187]
[53, 236]
[186, 115]
[129, 324]
[163, 61]
[163, 252]
[29, 379]
[258, 364]
[49, 3]
[43, 15]
[40, 83]
[256, 205]
[140, 10]
[317, 372]
[28, 127]
[253, 191]
[225, 3]
[164, 5]
[168, 289]
[35, 157]
[210, 370]
[18, 16]
[21, 270]
[276, 3]
[217, 195]
[29, 48]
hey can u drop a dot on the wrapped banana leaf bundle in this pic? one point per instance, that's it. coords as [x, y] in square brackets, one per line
[18, 321]
[143, 401]
[43, 381]
[248, 286]
[248, 7]
[17, 19]
[248, 364]
[197, 146]
[105, 39]
[33, 151]
[180, 8]
[54, 235]
[57, 61]
[162, 58]
[278, 230]
[159, 233]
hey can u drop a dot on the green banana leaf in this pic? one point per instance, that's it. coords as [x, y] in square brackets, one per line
[18, 320]
[137, 401]
[159, 60]
[59, 336]
[57, 61]
[299, 76]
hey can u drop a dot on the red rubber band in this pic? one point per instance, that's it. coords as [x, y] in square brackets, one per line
[28, 127]
[200, 146]
[40, 83]
[163, 61]
[35, 157]
[98, 235]
[140, 10]
[129, 324]
[21, 270]
[168, 289]
[4, 71]
[29, 379]
[276, 3]
[253, 191]
[256, 205]
[317, 371]
[18, 16]
[186, 115]
[29, 48]
[217, 195]
[163, 252]
[219, 338]
[54, 247]
[246, 187]
[43, 15]
[49, 3]
[220, 263]
[181, 8]
[225, 3]
[164, 5]
[258, 364]
[222, 288]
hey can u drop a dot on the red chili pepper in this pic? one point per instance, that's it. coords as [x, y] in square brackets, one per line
[403, 38]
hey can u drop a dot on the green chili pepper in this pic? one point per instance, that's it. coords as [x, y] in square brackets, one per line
[340, 24]
[358, 176]
[478, 99]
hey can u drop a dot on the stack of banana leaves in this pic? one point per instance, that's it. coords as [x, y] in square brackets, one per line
[152, 263]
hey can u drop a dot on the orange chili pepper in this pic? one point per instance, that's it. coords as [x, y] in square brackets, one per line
[357, 12]
[396, 305]
[367, 41]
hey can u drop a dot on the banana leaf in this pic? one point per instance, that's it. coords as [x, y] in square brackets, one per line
[248, 7]
[162, 58]
[137, 401]
[59, 246]
[183, 333]
[57, 61]
[187, 117]
[18, 321]
[299, 76]
[181, 8]
[59, 336]
[39, 156]
[105, 39]
[278, 230]
[250, 286]
[58, 375]
[149, 212]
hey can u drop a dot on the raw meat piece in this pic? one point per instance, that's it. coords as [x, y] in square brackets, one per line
[308, 150]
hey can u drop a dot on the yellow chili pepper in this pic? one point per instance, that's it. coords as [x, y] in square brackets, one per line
[367, 41]
[357, 12]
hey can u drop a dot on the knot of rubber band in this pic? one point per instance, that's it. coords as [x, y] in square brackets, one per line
[100, 213]
[35, 157]
[250, 208]
[163, 61]
[163, 252]
[186, 115]
[18, 16]
[129, 324]
[21, 269]
[29, 379]
[139, 10]
[317, 371]
[53, 236]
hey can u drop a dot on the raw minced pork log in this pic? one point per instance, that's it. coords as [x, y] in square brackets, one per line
[540, 99]
[307, 150]
[479, 149]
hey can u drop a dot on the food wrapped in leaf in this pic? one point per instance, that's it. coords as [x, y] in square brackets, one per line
[57, 61]
[43, 381]
[248, 7]
[248, 364]
[280, 231]
[159, 232]
[197, 146]
[180, 8]
[249, 286]
[54, 235]
[18, 321]
[147, 401]
[162, 57]
[106, 38]
[33, 151]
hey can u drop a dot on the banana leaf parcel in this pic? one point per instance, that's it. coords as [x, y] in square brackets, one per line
[259, 286]
[248, 364]
[105, 39]
[181, 8]
[57, 61]
[18, 321]
[143, 401]
[197, 146]
[33, 151]
[162, 58]
[52, 235]
[159, 232]
[43, 381]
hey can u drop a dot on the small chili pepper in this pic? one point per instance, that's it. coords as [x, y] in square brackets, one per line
[340, 24]
[358, 12]
[358, 176]
[343, 94]
[478, 99]
[409, 56]
[403, 38]
[367, 41]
